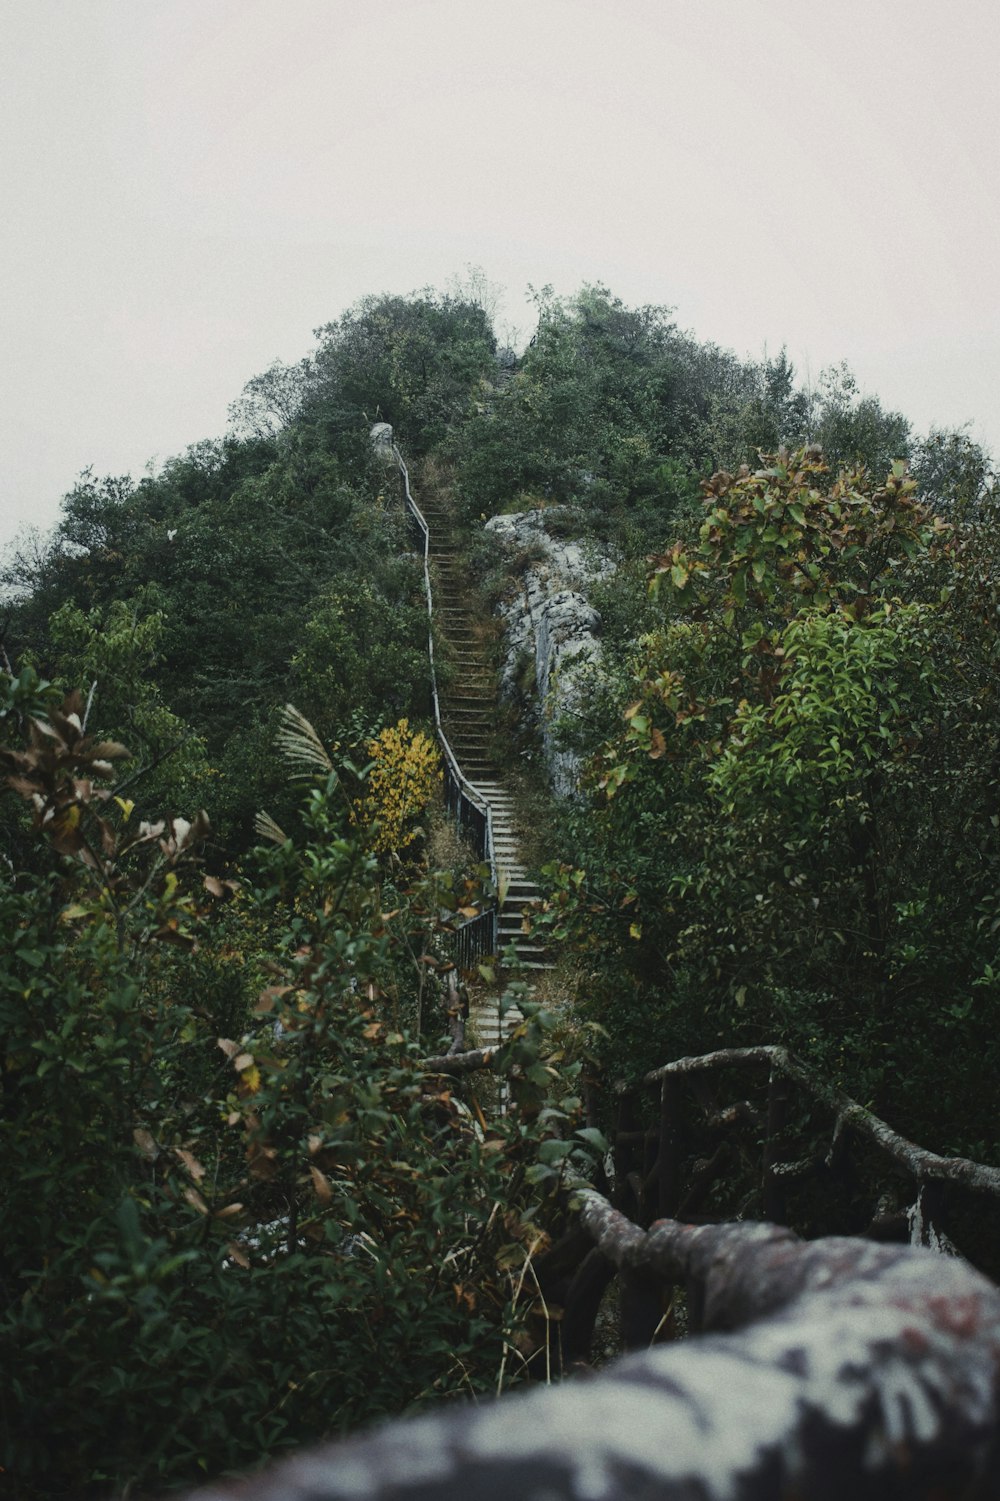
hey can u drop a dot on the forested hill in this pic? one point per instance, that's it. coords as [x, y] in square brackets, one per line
[270, 564]
[239, 1213]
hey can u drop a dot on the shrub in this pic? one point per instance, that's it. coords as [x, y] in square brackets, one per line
[236, 1218]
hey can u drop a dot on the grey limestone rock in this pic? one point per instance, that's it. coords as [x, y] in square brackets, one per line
[380, 436]
[551, 628]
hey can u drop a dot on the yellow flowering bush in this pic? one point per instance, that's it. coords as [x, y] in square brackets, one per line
[405, 767]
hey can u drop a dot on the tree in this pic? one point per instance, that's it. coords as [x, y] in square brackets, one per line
[855, 430]
[792, 834]
[616, 409]
[361, 657]
[271, 401]
[415, 362]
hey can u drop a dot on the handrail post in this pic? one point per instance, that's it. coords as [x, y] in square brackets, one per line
[668, 1166]
[775, 1205]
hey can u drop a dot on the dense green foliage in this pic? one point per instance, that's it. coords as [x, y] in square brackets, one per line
[618, 410]
[265, 566]
[794, 832]
[237, 1213]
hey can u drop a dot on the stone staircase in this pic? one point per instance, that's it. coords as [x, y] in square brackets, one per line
[469, 718]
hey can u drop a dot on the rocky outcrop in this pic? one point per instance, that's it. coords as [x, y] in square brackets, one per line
[552, 632]
[381, 440]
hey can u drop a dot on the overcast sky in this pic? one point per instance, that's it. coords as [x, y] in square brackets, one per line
[190, 187]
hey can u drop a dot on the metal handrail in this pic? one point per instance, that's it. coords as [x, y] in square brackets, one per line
[472, 812]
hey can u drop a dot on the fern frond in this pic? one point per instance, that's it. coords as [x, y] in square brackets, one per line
[265, 826]
[299, 742]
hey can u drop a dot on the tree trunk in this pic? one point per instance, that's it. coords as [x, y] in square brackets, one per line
[836, 1368]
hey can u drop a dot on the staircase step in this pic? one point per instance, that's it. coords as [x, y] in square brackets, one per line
[470, 722]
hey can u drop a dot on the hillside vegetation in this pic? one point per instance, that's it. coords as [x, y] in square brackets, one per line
[238, 1214]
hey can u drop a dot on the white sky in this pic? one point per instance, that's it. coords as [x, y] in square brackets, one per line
[190, 187]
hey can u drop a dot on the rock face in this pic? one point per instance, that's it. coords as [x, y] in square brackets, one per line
[380, 436]
[552, 633]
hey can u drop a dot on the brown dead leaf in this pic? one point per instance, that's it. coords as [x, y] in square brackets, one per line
[191, 1162]
[321, 1184]
[267, 997]
[110, 750]
[145, 1142]
[261, 1159]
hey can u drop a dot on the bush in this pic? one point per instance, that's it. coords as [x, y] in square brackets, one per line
[238, 1213]
[792, 834]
